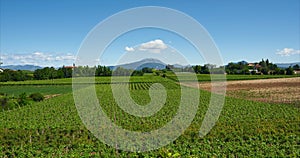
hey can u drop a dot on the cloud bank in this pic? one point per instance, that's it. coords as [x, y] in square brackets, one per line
[155, 46]
[38, 58]
[287, 52]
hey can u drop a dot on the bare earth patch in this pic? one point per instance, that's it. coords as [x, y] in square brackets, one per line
[282, 90]
[51, 96]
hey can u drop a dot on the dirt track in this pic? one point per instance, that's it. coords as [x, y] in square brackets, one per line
[283, 90]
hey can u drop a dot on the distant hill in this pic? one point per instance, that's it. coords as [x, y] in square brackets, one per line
[21, 67]
[286, 65]
[149, 62]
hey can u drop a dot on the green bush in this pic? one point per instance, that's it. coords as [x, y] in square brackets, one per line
[22, 100]
[37, 97]
[4, 102]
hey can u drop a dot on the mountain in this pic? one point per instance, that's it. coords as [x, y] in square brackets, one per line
[21, 67]
[149, 62]
[286, 65]
[180, 66]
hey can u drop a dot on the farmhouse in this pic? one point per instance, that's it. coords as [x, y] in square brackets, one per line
[253, 68]
[296, 71]
[251, 64]
[70, 67]
[1, 70]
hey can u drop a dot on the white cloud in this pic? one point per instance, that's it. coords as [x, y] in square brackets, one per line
[38, 58]
[65, 57]
[287, 52]
[37, 53]
[129, 49]
[155, 46]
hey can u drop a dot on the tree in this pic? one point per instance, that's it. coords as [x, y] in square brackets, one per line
[296, 67]
[197, 69]
[60, 73]
[147, 70]
[264, 67]
[52, 73]
[281, 72]
[267, 62]
[45, 73]
[289, 71]
[137, 73]
[204, 70]
[263, 63]
[277, 71]
[102, 71]
[210, 66]
[265, 70]
[10, 75]
[232, 68]
[67, 72]
[106, 71]
[119, 71]
[169, 67]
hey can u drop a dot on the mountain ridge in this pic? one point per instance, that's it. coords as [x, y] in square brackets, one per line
[138, 65]
[21, 67]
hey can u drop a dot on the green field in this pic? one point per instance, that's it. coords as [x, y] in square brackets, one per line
[145, 78]
[44, 89]
[52, 128]
[207, 77]
[97, 80]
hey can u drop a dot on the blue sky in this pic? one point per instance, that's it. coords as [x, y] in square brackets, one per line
[50, 32]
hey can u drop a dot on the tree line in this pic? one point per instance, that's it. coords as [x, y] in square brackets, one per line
[262, 67]
[67, 72]
[52, 73]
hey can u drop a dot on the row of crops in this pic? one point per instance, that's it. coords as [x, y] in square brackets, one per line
[146, 85]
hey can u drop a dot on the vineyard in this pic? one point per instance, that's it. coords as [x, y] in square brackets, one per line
[52, 128]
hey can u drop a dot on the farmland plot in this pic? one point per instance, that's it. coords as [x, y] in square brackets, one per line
[52, 128]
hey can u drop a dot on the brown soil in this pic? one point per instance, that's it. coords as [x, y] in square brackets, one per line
[51, 96]
[283, 90]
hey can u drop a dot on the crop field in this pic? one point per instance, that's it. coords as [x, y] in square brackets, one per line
[97, 80]
[44, 89]
[207, 78]
[280, 90]
[53, 128]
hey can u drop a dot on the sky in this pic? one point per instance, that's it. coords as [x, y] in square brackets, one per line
[50, 32]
